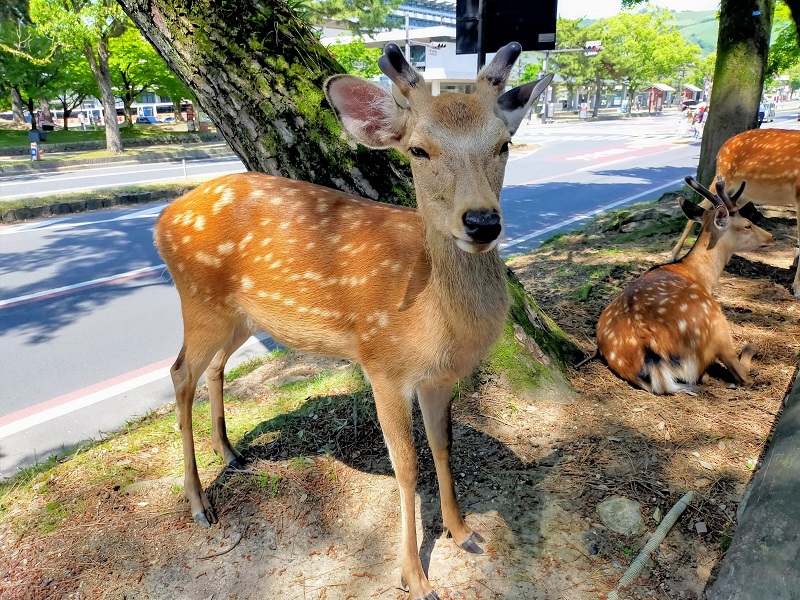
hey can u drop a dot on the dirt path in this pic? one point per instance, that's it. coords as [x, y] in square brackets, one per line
[316, 516]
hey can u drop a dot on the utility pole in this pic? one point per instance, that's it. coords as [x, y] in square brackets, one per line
[481, 33]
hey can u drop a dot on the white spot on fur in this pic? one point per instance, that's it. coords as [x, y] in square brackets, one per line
[247, 283]
[245, 240]
[207, 259]
[225, 248]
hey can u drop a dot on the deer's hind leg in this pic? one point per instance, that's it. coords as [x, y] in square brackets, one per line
[205, 333]
[215, 379]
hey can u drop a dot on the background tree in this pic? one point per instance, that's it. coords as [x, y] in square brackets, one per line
[356, 58]
[88, 25]
[135, 68]
[73, 83]
[28, 61]
[784, 52]
[573, 67]
[260, 80]
[361, 16]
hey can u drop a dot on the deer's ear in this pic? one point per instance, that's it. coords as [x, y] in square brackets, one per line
[512, 106]
[693, 212]
[367, 111]
[722, 218]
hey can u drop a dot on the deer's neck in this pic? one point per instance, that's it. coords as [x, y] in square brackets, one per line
[471, 288]
[705, 263]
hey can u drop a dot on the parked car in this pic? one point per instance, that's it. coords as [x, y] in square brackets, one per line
[169, 119]
[147, 120]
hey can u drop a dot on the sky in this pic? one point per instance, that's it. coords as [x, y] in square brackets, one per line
[595, 9]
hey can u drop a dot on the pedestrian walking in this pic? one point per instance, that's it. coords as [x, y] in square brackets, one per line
[82, 121]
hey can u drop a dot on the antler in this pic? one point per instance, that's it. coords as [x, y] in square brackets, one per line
[721, 198]
[496, 73]
[395, 66]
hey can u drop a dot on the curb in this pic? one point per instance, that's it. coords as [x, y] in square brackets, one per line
[68, 163]
[63, 208]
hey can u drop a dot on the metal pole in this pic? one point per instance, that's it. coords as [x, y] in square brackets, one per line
[408, 44]
[546, 92]
[481, 33]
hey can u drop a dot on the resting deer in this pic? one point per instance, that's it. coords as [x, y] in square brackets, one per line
[417, 297]
[665, 329]
[769, 160]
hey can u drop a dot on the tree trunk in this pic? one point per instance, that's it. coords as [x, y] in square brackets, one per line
[598, 92]
[99, 65]
[17, 107]
[742, 47]
[47, 114]
[126, 103]
[260, 80]
[67, 112]
[34, 125]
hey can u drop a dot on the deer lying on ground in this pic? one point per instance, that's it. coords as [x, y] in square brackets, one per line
[665, 329]
[769, 160]
[417, 297]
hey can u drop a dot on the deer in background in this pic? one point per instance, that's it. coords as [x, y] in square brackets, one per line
[665, 329]
[769, 160]
[417, 297]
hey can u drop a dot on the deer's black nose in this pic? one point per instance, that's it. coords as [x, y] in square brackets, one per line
[483, 226]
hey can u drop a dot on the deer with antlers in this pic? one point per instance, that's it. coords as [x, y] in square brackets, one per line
[769, 160]
[665, 329]
[417, 297]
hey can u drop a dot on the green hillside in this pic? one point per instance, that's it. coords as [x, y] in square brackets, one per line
[699, 27]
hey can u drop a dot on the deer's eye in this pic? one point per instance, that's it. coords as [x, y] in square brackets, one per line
[504, 148]
[748, 226]
[418, 152]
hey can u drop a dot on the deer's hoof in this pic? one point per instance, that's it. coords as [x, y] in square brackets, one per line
[470, 544]
[237, 464]
[429, 596]
[205, 518]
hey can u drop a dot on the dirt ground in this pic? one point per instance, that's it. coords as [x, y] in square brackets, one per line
[316, 514]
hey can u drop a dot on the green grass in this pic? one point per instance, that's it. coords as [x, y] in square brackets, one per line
[13, 137]
[101, 194]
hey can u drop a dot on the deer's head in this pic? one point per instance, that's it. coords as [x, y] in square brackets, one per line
[725, 226]
[457, 143]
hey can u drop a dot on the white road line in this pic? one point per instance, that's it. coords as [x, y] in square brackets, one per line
[30, 226]
[59, 225]
[77, 286]
[121, 184]
[54, 412]
[559, 225]
[90, 173]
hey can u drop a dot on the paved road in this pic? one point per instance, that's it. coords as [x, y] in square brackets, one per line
[89, 323]
[84, 178]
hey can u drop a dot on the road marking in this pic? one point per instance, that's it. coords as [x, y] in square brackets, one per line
[581, 217]
[62, 405]
[46, 294]
[121, 184]
[58, 225]
[92, 173]
[30, 226]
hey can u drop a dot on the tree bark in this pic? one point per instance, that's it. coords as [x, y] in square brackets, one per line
[47, 114]
[742, 48]
[257, 71]
[32, 113]
[17, 107]
[598, 93]
[99, 65]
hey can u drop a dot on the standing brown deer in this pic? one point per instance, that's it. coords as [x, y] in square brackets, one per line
[417, 297]
[769, 160]
[665, 329]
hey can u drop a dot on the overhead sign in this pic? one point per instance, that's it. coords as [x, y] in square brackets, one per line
[532, 24]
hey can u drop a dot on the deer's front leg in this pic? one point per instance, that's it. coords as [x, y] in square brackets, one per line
[435, 405]
[394, 414]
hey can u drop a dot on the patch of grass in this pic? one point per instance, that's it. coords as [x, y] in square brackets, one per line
[16, 137]
[251, 365]
[54, 513]
[553, 239]
[670, 227]
[100, 194]
[271, 484]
